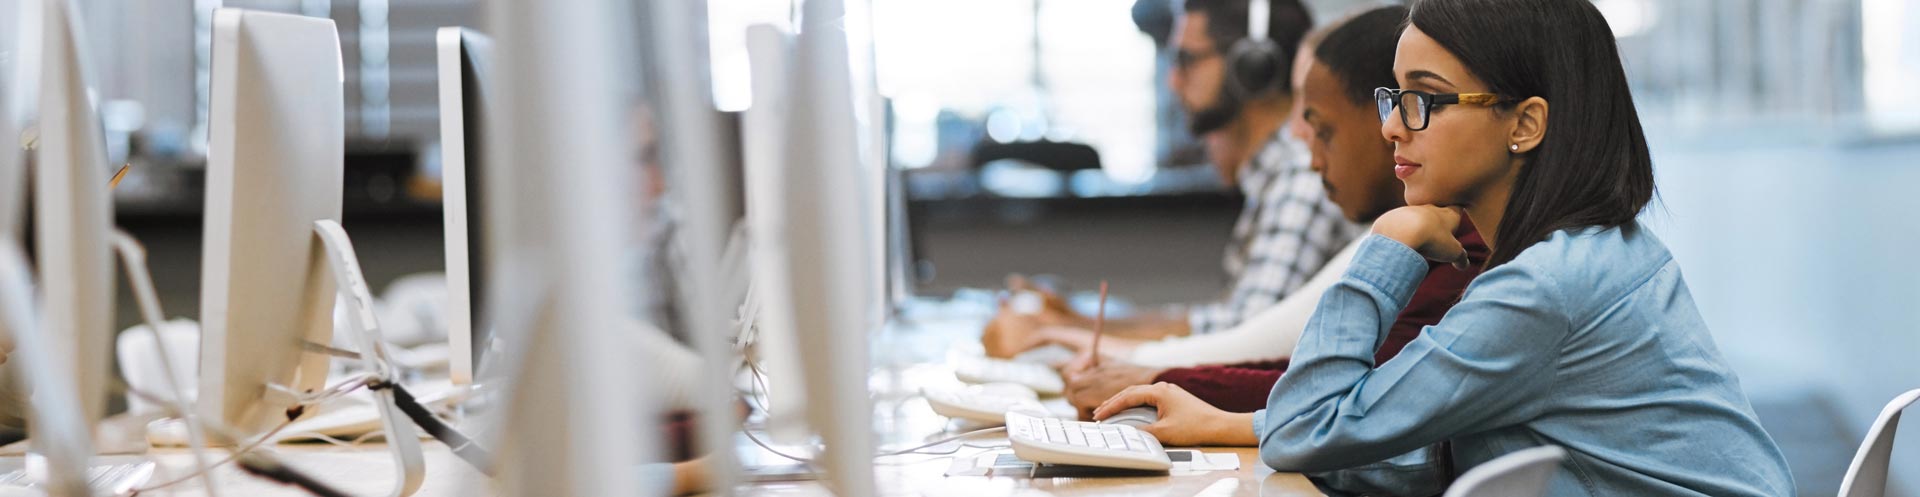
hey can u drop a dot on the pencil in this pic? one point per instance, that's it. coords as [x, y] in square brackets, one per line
[119, 176]
[1099, 322]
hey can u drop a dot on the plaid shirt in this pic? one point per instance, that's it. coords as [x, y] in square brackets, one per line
[1286, 231]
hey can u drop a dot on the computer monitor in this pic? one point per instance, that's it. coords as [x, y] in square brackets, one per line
[73, 213]
[16, 102]
[830, 248]
[274, 256]
[275, 159]
[704, 180]
[464, 57]
[819, 274]
[898, 235]
[67, 351]
[763, 146]
[556, 183]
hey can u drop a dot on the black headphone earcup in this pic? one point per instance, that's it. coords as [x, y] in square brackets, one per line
[1254, 66]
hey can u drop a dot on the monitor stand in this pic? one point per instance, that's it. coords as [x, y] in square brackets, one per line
[64, 439]
[402, 441]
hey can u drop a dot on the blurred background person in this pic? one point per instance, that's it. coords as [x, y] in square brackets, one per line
[1286, 230]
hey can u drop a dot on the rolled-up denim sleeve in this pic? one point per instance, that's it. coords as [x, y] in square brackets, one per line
[1484, 365]
[653, 479]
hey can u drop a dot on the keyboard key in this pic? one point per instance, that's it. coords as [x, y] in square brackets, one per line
[1056, 435]
[1076, 437]
[1114, 440]
[1097, 442]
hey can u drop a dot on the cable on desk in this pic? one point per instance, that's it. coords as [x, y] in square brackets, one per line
[760, 393]
[230, 458]
[942, 441]
[941, 455]
[338, 390]
[293, 413]
[910, 451]
[769, 448]
[271, 469]
[313, 435]
[461, 445]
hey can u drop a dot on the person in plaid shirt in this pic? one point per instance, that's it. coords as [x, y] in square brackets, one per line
[1286, 231]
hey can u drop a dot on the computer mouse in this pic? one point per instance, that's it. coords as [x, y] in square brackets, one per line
[1138, 417]
[167, 432]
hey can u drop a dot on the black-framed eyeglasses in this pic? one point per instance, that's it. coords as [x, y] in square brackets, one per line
[1423, 103]
[1184, 60]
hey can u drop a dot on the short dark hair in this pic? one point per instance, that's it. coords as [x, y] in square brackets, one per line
[1359, 51]
[1592, 169]
[1287, 23]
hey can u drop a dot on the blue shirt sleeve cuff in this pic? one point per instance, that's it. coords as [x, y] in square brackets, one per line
[653, 479]
[1260, 425]
[1390, 266]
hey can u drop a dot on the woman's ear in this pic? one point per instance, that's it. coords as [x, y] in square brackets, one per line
[1530, 127]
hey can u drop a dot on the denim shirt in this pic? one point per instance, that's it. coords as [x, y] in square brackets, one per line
[1588, 340]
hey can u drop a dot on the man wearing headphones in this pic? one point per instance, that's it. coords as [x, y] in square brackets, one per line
[1231, 65]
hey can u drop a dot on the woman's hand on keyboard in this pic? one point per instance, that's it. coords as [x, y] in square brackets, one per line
[1185, 420]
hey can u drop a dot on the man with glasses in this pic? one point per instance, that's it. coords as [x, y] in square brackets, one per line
[1287, 229]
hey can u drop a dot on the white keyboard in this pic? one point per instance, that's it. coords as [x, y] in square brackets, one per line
[981, 369]
[988, 404]
[105, 479]
[1046, 354]
[1057, 441]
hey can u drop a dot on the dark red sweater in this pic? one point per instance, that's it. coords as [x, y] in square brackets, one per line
[1244, 387]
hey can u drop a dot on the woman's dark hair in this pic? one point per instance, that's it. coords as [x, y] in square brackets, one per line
[1592, 167]
[1359, 51]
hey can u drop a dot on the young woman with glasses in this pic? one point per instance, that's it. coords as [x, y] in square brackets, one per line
[1580, 332]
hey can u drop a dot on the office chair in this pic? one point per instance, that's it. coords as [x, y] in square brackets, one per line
[1867, 477]
[1520, 474]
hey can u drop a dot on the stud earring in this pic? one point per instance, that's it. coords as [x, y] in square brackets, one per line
[1514, 147]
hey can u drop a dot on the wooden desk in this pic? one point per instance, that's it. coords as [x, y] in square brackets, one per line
[365, 470]
[915, 361]
[925, 477]
[908, 421]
